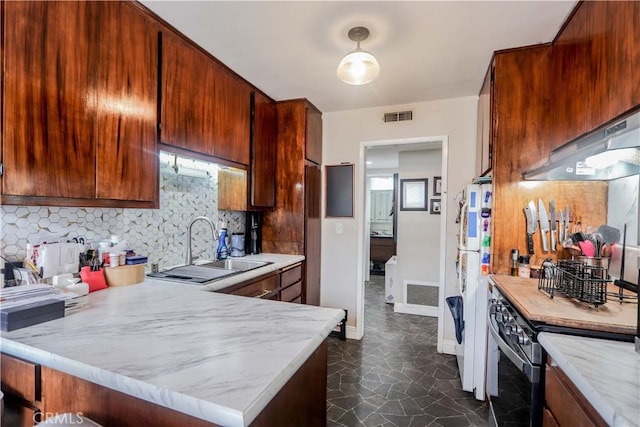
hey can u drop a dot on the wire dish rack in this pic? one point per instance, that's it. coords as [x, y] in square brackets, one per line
[575, 279]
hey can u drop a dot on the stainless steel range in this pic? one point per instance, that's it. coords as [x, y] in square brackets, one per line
[514, 366]
[515, 361]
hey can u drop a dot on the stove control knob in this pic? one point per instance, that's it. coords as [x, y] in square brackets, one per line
[523, 339]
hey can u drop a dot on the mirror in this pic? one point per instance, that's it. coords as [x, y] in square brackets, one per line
[381, 206]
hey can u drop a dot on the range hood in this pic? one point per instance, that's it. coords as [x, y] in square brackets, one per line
[609, 152]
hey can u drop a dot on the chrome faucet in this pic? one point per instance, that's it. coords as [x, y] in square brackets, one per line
[188, 258]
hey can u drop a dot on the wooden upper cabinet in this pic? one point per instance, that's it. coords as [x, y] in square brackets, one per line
[313, 145]
[79, 104]
[263, 159]
[232, 130]
[570, 82]
[127, 91]
[187, 95]
[484, 145]
[594, 68]
[615, 52]
[49, 114]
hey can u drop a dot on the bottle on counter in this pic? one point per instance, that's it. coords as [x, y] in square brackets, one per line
[222, 251]
[524, 268]
[514, 262]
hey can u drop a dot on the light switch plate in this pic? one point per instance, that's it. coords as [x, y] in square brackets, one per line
[339, 228]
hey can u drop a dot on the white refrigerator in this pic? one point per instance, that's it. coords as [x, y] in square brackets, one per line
[473, 267]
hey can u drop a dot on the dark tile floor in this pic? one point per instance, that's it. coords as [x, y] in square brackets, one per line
[394, 376]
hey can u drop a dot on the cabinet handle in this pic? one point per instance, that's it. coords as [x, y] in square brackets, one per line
[265, 292]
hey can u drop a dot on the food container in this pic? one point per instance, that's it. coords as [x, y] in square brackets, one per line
[124, 275]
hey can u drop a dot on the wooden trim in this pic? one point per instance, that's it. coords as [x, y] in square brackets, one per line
[89, 203]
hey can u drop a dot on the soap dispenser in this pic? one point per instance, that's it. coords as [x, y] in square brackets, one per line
[222, 250]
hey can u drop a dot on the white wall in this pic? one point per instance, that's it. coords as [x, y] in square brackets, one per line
[343, 133]
[418, 231]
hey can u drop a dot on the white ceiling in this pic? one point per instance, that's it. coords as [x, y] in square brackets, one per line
[427, 50]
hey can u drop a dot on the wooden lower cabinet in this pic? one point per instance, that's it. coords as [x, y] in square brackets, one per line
[565, 405]
[284, 285]
[20, 381]
[263, 288]
[301, 401]
[381, 248]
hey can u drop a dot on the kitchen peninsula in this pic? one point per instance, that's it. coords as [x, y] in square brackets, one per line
[198, 357]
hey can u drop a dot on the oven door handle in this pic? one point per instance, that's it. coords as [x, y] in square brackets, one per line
[532, 372]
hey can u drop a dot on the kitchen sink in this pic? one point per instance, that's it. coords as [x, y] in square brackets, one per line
[234, 264]
[208, 272]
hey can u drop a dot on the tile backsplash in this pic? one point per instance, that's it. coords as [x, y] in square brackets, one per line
[158, 233]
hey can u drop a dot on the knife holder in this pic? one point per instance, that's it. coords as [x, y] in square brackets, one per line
[576, 279]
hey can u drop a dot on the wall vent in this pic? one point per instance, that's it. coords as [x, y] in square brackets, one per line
[398, 116]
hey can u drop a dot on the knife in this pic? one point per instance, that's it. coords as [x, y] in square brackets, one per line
[552, 218]
[530, 213]
[544, 225]
[561, 227]
[566, 222]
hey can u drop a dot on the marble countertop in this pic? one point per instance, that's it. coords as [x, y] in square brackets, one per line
[217, 357]
[606, 372]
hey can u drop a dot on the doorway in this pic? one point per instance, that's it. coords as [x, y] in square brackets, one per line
[419, 233]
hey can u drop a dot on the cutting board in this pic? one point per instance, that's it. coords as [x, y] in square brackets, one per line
[537, 306]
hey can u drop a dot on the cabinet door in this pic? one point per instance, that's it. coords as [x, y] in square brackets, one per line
[127, 91]
[484, 144]
[313, 145]
[187, 95]
[570, 85]
[49, 132]
[232, 131]
[263, 154]
[614, 32]
[312, 233]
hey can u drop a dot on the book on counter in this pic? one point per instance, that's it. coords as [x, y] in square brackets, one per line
[26, 305]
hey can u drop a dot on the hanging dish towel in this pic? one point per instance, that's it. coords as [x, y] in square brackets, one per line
[455, 305]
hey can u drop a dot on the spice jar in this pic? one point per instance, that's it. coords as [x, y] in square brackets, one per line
[524, 268]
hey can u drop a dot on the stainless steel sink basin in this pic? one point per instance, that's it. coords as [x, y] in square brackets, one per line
[208, 272]
[234, 264]
[193, 274]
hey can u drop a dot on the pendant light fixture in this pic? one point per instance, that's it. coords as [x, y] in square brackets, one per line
[358, 67]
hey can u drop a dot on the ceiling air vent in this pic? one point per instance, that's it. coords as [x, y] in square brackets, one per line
[398, 116]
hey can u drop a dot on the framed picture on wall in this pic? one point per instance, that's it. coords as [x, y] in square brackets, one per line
[413, 194]
[437, 185]
[435, 207]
